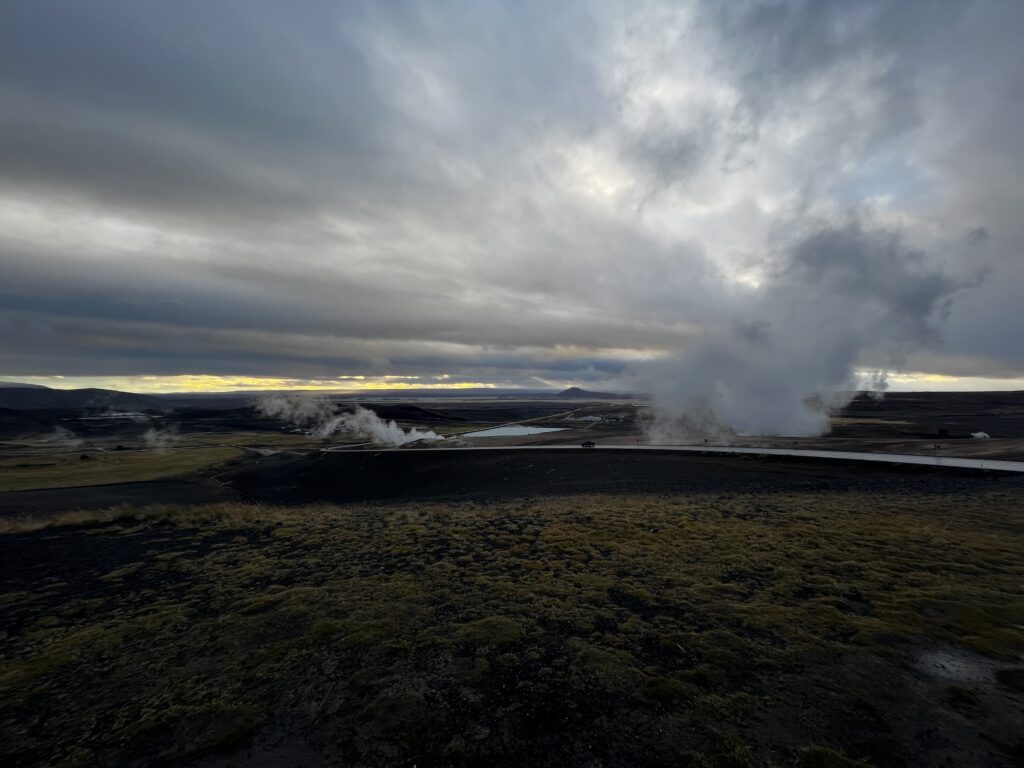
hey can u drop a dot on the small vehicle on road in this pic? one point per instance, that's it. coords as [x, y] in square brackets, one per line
[587, 444]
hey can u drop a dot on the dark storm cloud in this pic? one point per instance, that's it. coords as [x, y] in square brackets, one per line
[508, 191]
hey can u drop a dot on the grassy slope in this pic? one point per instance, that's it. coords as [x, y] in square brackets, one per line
[60, 470]
[712, 630]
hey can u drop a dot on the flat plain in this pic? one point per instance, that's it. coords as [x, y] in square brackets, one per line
[597, 608]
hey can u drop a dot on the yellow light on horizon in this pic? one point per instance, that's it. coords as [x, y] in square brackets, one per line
[202, 383]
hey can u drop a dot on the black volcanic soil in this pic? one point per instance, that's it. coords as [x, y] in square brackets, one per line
[925, 414]
[53, 500]
[354, 476]
[395, 475]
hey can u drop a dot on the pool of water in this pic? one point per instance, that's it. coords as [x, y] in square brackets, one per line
[511, 431]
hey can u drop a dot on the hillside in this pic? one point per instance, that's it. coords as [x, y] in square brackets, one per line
[577, 393]
[19, 385]
[42, 398]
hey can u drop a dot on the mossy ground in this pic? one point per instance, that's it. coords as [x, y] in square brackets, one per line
[56, 470]
[706, 630]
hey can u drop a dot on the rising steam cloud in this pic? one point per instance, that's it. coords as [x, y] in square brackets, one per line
[318, 415]
[62, 437]
[368, 423]
[296, 409]
[836, 299]
[160, 439]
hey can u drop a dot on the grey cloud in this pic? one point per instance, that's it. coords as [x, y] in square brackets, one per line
[897, 285]
[346, 188]
[76, 346]
[666, 156]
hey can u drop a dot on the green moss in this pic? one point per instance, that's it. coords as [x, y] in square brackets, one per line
[695, 625]
[119, 573]
[1011, 678]
[395, 713]
[608, 669]
[961, 699]
[223, 732]
[819, 757]
[185, 733]
[166, 556]
[67, 470]
[665, 690]
[13, 598]
[363, 634]
[43, 664]
[493, 630]
[324, 629]
[258, 603]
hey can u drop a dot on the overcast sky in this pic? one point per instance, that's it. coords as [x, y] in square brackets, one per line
[511, 193]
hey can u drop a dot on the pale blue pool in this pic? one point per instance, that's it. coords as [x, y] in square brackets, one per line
[513, 430]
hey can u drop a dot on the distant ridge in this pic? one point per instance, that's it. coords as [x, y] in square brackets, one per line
[19, 385]
[577, 393]
[28, 398]
[362, 393]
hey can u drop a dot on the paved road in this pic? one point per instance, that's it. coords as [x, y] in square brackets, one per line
[886, 458]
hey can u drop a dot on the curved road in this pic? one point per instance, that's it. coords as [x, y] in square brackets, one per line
[887, 458]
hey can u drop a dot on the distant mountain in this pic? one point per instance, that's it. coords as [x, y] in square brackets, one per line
[459, 393]
[241, 399]
[42, 398]
[19, 385]
[358, 394]
[578, 394]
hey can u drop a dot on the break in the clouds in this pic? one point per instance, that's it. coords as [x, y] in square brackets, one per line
[715, 194]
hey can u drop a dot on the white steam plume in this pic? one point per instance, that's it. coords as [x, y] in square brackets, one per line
[318, 414]
[297, 409]
[160, 439]
[837, 298]
[367, 422]
[875, 383]
[63, 438]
